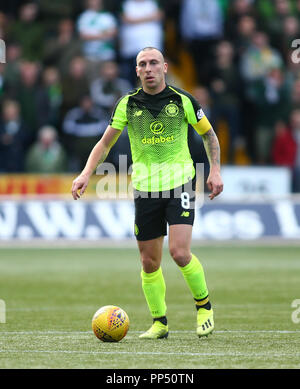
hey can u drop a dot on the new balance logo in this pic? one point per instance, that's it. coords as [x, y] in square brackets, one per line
[185, 214]
[138, 113]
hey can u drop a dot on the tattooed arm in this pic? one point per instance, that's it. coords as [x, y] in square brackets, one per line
[212, 148]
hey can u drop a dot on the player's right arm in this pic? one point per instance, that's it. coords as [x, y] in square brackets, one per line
[101, 149]
[97, 156]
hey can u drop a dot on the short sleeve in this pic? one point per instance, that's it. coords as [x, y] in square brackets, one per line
[119, 116]
[195, 115]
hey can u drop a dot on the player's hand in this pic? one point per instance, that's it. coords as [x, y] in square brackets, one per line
[214, 184]
[79, 184]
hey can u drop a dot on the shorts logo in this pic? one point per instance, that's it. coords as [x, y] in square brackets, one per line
[172, 110]
[157, 127]
[185, 214]
[136, 230]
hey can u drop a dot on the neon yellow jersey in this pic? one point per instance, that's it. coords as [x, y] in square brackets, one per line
[158, 135]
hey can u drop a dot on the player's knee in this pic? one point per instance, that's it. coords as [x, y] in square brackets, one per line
[149, 263]
[180, 255]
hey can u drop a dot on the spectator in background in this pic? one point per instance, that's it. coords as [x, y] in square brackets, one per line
[83, 126]
[272, 99]
[97, 30]
[245, 29]
[290, 31]
[109, 87]
[32, 97]
[4, 23]
[225, 91]
[286, 147]
[13, 138]
[292, 69]
[238, 9]
[46, 155]
[259, 58]
[295, 126]
[255, 63]
[52, 84]
[201, 24]
[275, 26]
[12, 69]
[51, 11]
[203, 96]
[74, 83]
[297, 9]
[43, 94]
[265, 10]
[28, 32]
[141, 26]
[295, 103]
[60, 49]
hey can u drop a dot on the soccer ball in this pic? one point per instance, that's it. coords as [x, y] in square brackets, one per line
[110, 323]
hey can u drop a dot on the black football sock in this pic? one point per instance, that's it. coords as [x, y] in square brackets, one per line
[206, 306]
[162, 319]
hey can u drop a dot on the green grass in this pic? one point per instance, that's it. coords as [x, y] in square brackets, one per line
[52, 294]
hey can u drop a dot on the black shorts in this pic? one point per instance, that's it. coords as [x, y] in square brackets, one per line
[153, 210]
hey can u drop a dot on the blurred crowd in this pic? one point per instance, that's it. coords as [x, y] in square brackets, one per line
[69, 61]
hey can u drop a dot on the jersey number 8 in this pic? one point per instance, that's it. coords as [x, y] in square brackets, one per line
[185, 200]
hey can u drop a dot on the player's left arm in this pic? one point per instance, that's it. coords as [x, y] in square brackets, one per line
[197, 118]
[212, 148]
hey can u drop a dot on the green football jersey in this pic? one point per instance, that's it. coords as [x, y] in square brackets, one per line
[158, 134]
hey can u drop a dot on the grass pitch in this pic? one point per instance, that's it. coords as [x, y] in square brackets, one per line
[52, 294]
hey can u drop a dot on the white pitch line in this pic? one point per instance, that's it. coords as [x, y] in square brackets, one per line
[138, 332]
[231, 354]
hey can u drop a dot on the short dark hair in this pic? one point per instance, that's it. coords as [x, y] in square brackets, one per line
[150, 48]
